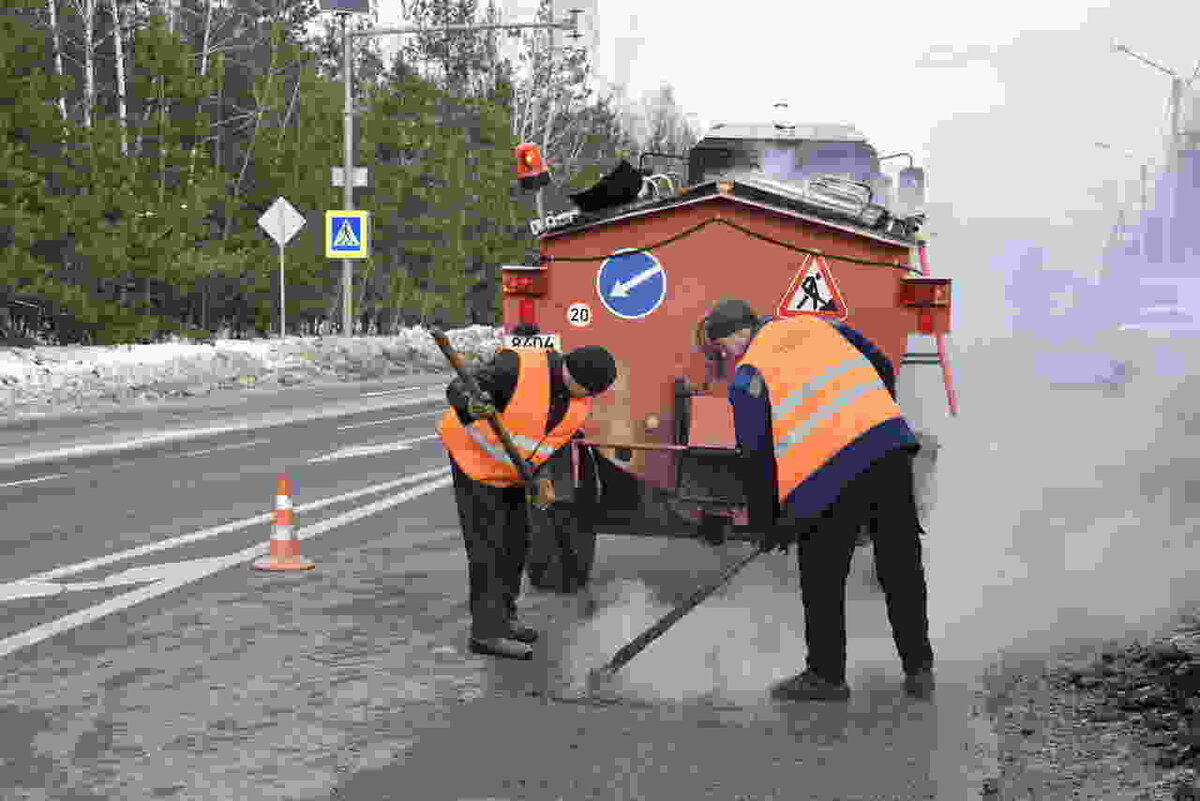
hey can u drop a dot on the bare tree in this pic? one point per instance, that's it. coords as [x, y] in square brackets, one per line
[659, 124]
[552, 83]
[551, 103]
[56, 40]
[87, 14]
[205, 51]
[533, 87]
[265, 101]
[118, 43]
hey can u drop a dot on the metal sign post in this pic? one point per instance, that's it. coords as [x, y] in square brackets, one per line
[343, 8]
[347, 169]
[282, 222]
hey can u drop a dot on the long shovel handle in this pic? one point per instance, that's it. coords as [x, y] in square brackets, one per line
[638, 644]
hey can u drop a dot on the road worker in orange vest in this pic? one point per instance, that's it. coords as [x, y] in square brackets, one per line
[544, 398]
[815, 411]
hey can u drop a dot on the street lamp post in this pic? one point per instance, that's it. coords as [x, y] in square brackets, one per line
[348, 36]
[1177, 84]
[1174, 141]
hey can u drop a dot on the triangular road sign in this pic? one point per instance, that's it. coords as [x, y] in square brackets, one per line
[813, 291]
[345, 237]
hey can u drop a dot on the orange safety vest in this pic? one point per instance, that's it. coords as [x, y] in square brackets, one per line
[824, 394]
[478, 451]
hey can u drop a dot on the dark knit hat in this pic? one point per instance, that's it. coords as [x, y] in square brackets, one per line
[729, 316]
[592, 367]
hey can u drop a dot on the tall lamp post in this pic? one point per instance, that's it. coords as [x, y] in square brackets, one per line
[1174, 141]
[343, 8]
[1177, 86]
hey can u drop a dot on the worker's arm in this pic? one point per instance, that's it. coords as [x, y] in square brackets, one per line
[752, 423]
[882, 364]
[497, 378]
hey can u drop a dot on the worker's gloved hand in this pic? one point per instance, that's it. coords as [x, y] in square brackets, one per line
[776, 538]
[714, 530]
[480, 409]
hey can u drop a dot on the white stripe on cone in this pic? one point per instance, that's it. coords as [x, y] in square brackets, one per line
[283, 533]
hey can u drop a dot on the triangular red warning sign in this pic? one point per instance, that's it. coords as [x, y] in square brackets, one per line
[813, 291]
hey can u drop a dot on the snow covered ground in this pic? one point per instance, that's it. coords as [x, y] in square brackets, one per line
[50, 379]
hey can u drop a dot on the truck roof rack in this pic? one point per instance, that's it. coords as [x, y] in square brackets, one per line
[814, 131]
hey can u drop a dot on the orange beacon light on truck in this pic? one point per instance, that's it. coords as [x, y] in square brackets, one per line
[531, 168]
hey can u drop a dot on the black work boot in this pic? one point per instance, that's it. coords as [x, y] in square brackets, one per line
[919, 685]
[502, 647]
[522, 633]
[808, 686]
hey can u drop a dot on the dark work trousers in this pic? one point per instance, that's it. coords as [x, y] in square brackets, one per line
[882, 499]
[496, 532]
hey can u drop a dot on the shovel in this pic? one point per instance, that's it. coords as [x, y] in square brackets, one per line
[539, 494]
[598, 676]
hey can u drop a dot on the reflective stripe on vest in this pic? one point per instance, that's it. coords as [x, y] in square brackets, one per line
[479, 452]
[495, 448]
[824, 394]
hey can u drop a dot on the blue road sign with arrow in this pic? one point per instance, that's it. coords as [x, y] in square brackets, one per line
[631, 284]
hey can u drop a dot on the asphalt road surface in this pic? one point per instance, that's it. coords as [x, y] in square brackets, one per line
[144, 658]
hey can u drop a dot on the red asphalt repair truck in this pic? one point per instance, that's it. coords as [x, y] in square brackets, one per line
[794, 219]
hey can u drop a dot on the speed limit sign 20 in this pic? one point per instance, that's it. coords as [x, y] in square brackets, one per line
[579, 315]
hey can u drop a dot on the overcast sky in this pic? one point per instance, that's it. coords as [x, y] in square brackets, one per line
[1002, 103]
[1003, 100]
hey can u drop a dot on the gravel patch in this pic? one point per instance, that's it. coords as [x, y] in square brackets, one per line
[1120, 722]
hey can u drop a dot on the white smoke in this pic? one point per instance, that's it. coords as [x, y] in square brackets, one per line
[727, 650]
[1062, 513]
[1057, 514]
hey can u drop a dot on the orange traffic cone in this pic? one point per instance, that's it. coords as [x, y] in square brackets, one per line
[285, 548]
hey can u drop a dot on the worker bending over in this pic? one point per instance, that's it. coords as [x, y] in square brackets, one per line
[815, 412]
[543, 399]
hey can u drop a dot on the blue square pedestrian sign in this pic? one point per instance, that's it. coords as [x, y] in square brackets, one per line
[347, 234]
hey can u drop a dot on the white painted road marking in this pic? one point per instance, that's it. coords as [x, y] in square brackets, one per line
[371, 450]
[390, 391]
[134, 575]
[189, 572]
[28, 589]
[222, 448]
[237, 525]
[162, 438]
[391, 420]
[32, 480]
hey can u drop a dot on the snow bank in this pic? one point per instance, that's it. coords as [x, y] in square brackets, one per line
[69, 377]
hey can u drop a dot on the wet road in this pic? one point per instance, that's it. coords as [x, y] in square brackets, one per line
[205, 679]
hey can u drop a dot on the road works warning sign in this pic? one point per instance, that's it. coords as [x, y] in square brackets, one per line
[813, 291]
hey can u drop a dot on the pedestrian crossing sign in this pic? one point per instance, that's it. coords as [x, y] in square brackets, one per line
[347, 234]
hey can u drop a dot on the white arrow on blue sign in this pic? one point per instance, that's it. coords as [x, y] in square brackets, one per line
[631, 284]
